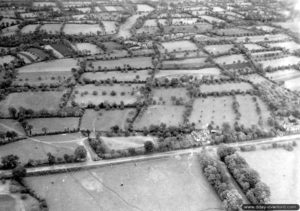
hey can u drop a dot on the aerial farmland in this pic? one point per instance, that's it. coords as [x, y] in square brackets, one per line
[149, 105]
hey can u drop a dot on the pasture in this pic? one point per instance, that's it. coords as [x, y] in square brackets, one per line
[123, 143]
[183, 21]
[75, 29]
[262, 38]
[230, 59]
[170, 96]
[127, 93]
[248, 112]
[11, 125]
[158, 114]
[104, 120]
[59, 65]
[253, 46]
[184, 63]
[131, 75]
[284, 184]
[225, 87]
[283, 75]
[52, 125]
[31, 100]
[212, 110]
[136, 63]
[6, 59]
[218, 49]
[290, 45]
[51, 28]
[284, 61]
[56, 53]
[162, 184]
[30, 28]
[183, 45]
[144, 8]
[88, 48]
[211, 19]
[213, 71]
[110, 27]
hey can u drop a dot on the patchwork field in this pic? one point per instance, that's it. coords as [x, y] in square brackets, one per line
[196, 73]
[88, 48]
[144, 8]
[29, 28]
[110, 27]
[149, 185]
[59, 65]
[273, 63]
[104, 120]
[75, 29]
[140, 75]
[291, 45]
[50, 125]
[283, 75]
[184, 63]
[284, 184]
[31, 100]
[117, 93]
[136, 63]
[218, 49]
[225, 87]
[122, 143]
[216, 110]
[253, 46]
[248, 112]
[211, 19]
[170, 96]
[11, 125]
[230, 59]
[56, 53]
[183, 45]
[261, 38]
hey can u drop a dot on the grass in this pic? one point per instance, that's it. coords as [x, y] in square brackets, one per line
[248, 112]
[212, 109]
[284, 184]
[122, 143]
[253, 46]
[6, 59]
[230, 59]
[184, 63]
[32, 100]
[227, 87]
[164, 95]
[162, 184]
[283, 75]
[218, 49]
[59, 65]
[88, 47]
[11, 125]
[140, 75]
[290, 45]
[110, 27]
[53, 124]
[182, 45]
[137, 62]
[157, 114]
[196, 73]
[76, 29]
[103, 120]
[30, 28]
[7, 202]
[273, 63]
[131, 94]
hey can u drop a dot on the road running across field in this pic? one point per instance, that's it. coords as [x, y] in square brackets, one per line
[101, 163]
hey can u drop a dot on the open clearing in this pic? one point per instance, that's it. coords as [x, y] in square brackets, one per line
[110, 94]
[121, 143]
[212, 109]
[165, 184]
[225, 87]
[284, 184]
[140, 75]
[103, 120]
[157, 114]
[136, 63]
[75, 29]
[183, 45]
[110, 27]
[285, 61]
[164, 96]
[32, 100]
[59, 65]
[196, 73]
[50, 125]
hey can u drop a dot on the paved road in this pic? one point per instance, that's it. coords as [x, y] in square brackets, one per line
[102, 163]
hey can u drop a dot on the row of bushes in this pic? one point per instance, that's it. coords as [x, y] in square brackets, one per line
[248, 179]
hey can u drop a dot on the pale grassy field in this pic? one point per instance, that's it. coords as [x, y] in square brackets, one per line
[11, 125]
[121, 143]
[110, 27]
[88, 47]
[283, 75]
[137, 62]
[163, 96]
[59, 65]
[253, 46]
[157, 114]
[261, 38]
[29, 28]
[183, 45]
[166, 184]
[196, 73]
[6, 59]
[183, 21]
[75, 29]
[284, 183]
[291, 45]
[242, 86]
[211, 19]
[103, 120]
[216, 109]
[217, 49]
[144, 8]
[230, 59]
[288, 60]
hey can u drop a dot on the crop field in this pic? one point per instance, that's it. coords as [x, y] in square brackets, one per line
[235, 58]
[217, 49]
[213, 71]
[157, 114]
[211, 19]
[32, 57]
[140, 75]
[216, 110]
[11, 125]
[143, 52]
[51, 28]
[253, 46]
[25, 58]
[284, 184]
[110, 27]
[288, 60]
[31, 100]
[75, 29]
[166, 96]
[50, 125]
[291, 45]
[6, 59]
[148, 185]
[59, 65]
[184, 63]
[47, 78]
[136, 63]
[112, 46]
[144, 8]
[225, 87]
[29, 28]
[117, 93]
[147, 30]
[88, 48]
[183, 45]
[122, 143]
[104, 120]
[31, 149]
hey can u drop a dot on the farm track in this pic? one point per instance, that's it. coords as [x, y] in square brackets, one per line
[164, 155]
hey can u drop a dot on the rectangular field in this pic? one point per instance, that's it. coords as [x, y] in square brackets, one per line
[183, 45]
[161, 184]
[213, 71]
[11, 125]
[170, 96]
[123, 143]
[291, 45]
[184, 63]
[248, 112]
[218, 49]
[135, 63]
[104, 120]
[216, 110]
[285, 61]
[225, 87]
[236, 58]
[76, 29]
